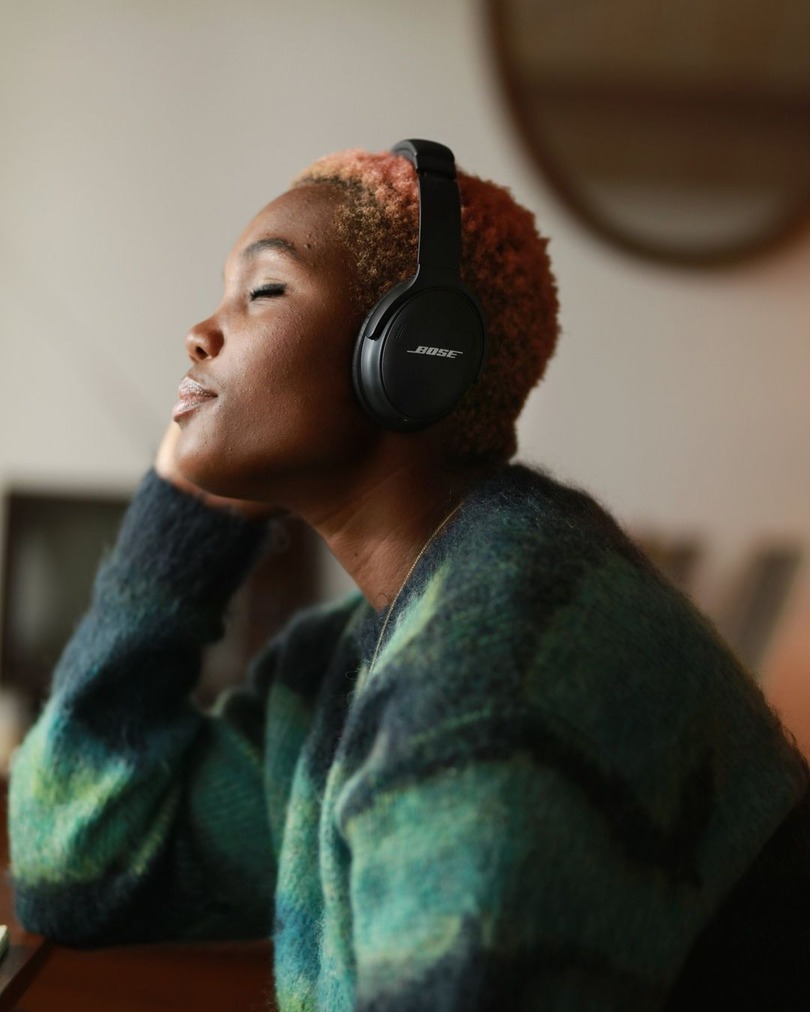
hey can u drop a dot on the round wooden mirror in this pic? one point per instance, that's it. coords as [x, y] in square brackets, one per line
[679, 129]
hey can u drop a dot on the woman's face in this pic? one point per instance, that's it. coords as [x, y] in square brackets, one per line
[268, 401]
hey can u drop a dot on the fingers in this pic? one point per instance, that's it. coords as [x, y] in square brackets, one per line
[165, 461]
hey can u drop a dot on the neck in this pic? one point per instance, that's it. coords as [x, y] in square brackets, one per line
[378, 527]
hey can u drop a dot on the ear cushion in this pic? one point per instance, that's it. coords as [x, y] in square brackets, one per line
[419, 351]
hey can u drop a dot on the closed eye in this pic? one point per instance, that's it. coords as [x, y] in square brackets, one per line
[267, 292]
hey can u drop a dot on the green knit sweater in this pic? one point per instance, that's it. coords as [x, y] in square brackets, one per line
[538, 799]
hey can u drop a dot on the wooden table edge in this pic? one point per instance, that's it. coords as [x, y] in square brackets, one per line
[14, 989]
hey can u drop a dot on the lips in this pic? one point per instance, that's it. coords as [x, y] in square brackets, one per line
[191, 395]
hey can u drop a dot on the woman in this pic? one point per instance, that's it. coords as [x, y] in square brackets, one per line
[517, 771]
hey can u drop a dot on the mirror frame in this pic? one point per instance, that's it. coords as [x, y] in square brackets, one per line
[790, 227]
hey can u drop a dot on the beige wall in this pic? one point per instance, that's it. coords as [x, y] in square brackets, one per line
[139, 137]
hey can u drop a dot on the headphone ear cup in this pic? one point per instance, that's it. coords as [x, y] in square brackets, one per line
[417, 355]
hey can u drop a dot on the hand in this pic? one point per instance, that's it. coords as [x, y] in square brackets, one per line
[166, 467]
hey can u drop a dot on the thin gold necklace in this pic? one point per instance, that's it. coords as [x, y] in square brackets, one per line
[402, 586]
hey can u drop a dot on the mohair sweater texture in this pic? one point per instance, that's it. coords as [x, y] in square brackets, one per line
[550, 783]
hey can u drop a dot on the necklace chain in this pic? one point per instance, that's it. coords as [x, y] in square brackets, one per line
[408, 575]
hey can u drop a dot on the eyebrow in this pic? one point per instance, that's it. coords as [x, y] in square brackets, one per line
[270, 242]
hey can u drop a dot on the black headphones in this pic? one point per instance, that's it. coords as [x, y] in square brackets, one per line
[425, 342]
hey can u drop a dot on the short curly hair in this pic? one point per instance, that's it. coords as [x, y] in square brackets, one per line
[503, 260]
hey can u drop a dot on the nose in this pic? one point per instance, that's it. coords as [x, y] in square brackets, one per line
[204, 341]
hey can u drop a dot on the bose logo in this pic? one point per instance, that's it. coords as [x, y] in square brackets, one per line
[441, 352]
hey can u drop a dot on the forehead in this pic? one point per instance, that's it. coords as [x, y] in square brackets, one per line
[300, 224]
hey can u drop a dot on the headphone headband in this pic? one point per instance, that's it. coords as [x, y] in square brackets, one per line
[439, 203]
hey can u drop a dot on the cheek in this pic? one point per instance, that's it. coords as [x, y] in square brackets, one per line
[318, 366]
[287, 401]
[265, 374]
[325, 409]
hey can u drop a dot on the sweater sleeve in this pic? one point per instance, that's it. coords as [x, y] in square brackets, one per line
[134, 816]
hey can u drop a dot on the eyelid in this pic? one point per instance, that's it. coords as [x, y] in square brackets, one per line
[267, 291]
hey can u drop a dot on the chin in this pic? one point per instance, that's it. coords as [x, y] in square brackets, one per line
[199, 464]
[208, 473]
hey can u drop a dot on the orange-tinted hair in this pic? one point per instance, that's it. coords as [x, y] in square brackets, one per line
[503, 260]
